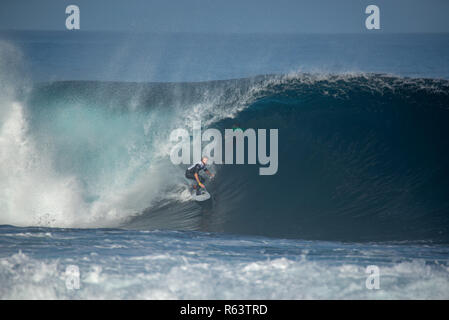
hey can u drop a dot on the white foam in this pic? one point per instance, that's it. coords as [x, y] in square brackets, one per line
[33, 192]
[171, 277]
[29, 189]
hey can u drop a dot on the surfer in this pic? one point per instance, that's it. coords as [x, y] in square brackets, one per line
[193, 173]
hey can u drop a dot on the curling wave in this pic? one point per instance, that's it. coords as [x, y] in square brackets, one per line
[361, 156]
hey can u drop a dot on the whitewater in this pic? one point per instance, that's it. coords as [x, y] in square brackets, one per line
[86, 180]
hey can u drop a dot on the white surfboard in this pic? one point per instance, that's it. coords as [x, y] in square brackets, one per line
[201, 197]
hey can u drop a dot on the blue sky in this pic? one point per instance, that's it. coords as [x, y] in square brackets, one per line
[230, 16]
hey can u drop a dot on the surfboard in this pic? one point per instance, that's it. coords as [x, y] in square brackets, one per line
[201, 197]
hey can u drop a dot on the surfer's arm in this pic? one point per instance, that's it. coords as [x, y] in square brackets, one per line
[209, 173]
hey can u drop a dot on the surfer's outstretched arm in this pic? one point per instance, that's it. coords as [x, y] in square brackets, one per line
[209, 173]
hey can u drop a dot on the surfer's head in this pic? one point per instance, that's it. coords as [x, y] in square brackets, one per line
[204, 160]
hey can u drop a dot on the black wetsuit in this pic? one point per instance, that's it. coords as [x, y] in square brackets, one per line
[196, 168]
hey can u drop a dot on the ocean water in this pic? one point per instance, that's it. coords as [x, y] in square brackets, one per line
[86, 180]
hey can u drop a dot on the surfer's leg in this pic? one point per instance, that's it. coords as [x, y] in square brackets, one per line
[198, 188]
[202, 180]
[191, 177]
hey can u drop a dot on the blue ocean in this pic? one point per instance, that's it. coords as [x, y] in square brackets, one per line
[91, 207]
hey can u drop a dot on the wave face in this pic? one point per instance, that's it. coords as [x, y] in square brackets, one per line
[362, 157]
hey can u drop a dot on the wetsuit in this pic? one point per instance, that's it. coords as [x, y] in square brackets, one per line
[196, 168]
